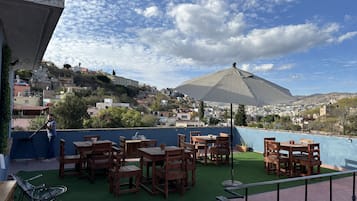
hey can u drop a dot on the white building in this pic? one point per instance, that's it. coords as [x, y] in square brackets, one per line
[108, 102]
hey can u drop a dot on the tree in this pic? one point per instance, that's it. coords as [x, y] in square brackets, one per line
[37, 122]
[71, 112]
[201, 110]
[148, 120]
[115, 117]
[241, 118]
[67, 66]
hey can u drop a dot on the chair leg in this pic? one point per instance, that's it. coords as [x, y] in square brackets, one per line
[182, 186]
[166, 189]
[61, 170]
[111, 185]
[193, 177]
[130, 182]
[137, 183]
[147, 171]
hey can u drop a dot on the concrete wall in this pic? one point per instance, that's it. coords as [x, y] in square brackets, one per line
[336, 152]
[37, 147]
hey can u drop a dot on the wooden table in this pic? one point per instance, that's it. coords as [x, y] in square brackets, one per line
[131, 148]
[85, 146]
[204, 139]
[291, 148]
[154, 154]
[7, 189]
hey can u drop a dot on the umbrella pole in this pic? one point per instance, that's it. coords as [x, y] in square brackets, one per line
[231, 182]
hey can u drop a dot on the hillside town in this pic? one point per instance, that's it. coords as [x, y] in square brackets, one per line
[50, 88]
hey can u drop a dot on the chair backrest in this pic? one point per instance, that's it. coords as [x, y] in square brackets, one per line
[122, 145]
[148, 143]
[181, 138]
[190, 153]
[174, 162]
[62, 144]
[91, 137]
[222, 144]
[314, 152]
[265, 144]
[194, 133]
[102, 148]
[272, 148]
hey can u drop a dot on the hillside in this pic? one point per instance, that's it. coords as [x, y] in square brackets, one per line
[318, 99]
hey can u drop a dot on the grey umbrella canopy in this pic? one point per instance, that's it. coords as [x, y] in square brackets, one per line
[234, 85]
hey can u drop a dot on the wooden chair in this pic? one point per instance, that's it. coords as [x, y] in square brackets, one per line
[100, 158]
[265, 149]
[147, 162]
[277, 162]
[308, 161]
[190, 154]
[67, 159]
[181, 138]
[122, 148]
[118, 172]
[174, 169]
[91, 137]
[220, 149]
[199, 147]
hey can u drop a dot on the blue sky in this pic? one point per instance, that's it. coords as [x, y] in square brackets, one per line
[307, 46]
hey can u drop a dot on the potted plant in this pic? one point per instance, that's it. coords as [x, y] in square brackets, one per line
[243, 147]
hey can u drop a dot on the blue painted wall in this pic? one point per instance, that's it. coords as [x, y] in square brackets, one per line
[336, 152]
[36, 148]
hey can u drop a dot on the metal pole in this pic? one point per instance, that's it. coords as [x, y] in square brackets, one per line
[354, 186]
[330, 188]
[278, 191]
[305, 189]
[246, 194]
[232, 169]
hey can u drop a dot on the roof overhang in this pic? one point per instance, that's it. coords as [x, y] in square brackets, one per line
[28, 26]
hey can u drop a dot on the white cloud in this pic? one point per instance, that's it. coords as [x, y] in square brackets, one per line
[264, 67]
[151, 11]
[173, 37]
[346, 36]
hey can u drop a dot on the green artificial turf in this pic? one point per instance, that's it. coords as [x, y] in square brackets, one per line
[248, 168]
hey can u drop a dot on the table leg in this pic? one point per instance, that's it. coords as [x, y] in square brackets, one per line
[206, 147]
[153, 175]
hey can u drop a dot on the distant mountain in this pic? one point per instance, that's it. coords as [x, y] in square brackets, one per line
[319, 99]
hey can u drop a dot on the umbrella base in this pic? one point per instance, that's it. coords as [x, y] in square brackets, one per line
[231, 183]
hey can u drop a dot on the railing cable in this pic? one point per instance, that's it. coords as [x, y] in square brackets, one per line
[306, 179]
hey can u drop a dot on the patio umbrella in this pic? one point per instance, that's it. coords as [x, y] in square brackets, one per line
[234, 85]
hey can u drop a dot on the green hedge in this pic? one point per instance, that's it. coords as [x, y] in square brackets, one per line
[5, 110]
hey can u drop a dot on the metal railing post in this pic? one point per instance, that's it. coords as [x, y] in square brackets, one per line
[330, 188]
[305, 189]
[278, 191]
[306, 180]
[354, 187]
[246, 194]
